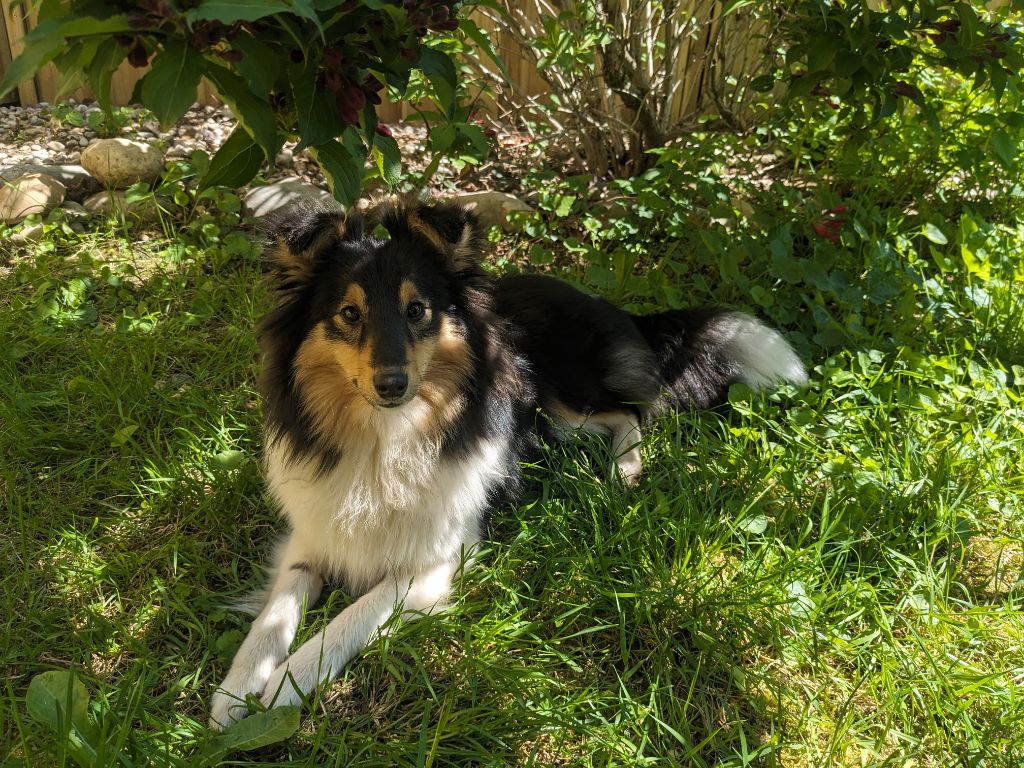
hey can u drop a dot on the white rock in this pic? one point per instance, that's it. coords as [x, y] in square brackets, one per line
[27, 234]
[263, 200]
[119, 163]
[73, 209]
[114, 202]
[28, 194]
[492, 208]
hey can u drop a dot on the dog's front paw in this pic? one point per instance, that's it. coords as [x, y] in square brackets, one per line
[630, 467]
[283, 690]
[297, 677]
[226, 708]
[228, 704]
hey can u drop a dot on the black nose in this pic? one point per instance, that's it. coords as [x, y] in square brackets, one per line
[390, 383]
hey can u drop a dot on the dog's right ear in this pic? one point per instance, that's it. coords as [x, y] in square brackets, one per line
[298, 236]
[448, 226]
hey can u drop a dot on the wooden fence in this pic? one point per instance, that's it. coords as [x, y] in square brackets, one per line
[45, 85]
[518, 57]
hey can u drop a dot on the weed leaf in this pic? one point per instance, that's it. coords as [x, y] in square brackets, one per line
[235, 163]
[934, 234]
[257, 730]
[230, 11]
[170, 86]
[47, 699]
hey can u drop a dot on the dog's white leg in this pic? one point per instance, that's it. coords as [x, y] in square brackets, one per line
[296, 584]
[321, 658]
[623, 427]
[626, 439]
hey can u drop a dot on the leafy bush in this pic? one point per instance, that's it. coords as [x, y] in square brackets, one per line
[627, 77]
[854, 53]
[313, 71]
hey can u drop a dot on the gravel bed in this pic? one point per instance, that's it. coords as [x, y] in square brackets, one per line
[56, 134]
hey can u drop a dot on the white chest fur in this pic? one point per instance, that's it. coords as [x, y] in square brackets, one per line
[392, 505]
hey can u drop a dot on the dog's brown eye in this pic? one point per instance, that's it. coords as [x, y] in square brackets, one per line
[415, 310]
[351, 314]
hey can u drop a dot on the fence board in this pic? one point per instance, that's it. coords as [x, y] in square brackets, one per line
[5, 49]
[14, 27]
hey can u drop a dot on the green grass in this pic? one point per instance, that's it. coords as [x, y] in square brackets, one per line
[827, 577]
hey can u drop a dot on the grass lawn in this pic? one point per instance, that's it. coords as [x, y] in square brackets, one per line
[825, 577]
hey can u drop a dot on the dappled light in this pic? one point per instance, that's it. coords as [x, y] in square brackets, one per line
[827, 571]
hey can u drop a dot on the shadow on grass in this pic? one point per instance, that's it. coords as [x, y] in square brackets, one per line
[129, 434]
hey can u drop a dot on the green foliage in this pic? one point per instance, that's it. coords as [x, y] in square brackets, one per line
[864, 59]
[289, 70]
[820, 220]
[104, 123]
[853, 54]
[59, 701]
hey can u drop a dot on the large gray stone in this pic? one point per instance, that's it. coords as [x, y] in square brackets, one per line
[28, 194]
[492, 208]
[260, 201]
[76, 180]
[119, 163]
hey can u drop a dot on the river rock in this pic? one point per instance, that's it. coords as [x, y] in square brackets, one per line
[27, 235]
[119, 163]
[76, 180]
[28, 194]
[273, 197]
[492, 208]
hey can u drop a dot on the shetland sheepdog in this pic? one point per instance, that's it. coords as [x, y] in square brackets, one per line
[402, 385]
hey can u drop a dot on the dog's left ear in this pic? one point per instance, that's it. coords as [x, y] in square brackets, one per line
[450, 223]
[450, 227]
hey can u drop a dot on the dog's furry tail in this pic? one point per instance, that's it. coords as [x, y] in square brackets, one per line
[701, 352]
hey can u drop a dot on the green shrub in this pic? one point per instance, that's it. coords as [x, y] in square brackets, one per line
[311, 71]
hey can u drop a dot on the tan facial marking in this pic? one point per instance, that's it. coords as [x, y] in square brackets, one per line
[336, 367]
[335, 375]
[355, 296]
[420, 352]
[449, 366]
[325, 383]
[407, 293]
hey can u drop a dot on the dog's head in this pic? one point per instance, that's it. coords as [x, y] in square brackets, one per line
[367, 322]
